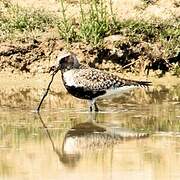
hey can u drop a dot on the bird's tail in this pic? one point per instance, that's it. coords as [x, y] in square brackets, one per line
[144, 83]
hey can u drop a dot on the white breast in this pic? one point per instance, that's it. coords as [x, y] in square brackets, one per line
[69, 78]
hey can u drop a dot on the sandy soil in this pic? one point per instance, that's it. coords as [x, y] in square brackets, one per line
[125, 9]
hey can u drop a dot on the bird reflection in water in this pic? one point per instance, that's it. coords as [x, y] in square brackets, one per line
[89, 136]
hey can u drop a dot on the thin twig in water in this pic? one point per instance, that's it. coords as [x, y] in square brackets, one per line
[47, 132]
[45, 94]
[58, 152]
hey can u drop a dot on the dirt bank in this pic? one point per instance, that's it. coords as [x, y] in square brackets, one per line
[31, 39]
[117, 55]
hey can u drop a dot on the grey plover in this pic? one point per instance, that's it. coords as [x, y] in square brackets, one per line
[89, 83]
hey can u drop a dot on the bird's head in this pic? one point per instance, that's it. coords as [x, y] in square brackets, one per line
[67, 61]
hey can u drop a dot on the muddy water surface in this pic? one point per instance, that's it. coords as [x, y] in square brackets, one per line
[135, 136]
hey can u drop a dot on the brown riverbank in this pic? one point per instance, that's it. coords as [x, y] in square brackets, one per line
[141, 42]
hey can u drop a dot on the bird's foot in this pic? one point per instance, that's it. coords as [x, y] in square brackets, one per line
[93, 106]
[90, 108]
[96, 107]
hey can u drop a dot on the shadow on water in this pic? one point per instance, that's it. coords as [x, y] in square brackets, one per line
[88, 136]
[135, 136]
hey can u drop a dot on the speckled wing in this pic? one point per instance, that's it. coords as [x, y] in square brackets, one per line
[96, 80]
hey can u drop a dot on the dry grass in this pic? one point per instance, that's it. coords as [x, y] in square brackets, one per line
[162, 10]
[153, 12]
[127, 9]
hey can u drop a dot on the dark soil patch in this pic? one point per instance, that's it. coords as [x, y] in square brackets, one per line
[122, 55]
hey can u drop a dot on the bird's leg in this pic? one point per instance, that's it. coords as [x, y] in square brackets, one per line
[96, 107]
[90, 105]
[93, 104]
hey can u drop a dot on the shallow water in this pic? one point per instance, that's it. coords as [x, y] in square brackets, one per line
[136, 135]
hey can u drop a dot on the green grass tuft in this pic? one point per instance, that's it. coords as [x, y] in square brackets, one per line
[15, 19]
[94, 24]
[65, 26]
